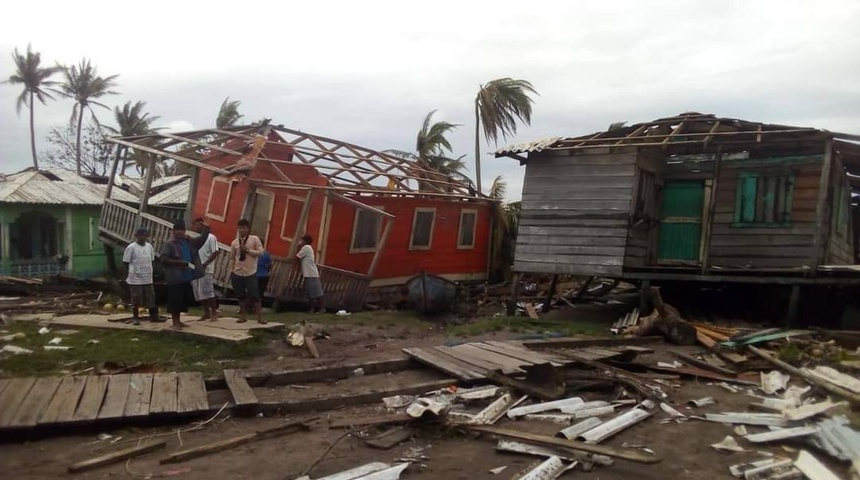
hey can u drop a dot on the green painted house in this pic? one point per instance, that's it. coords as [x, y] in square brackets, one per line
[49, 222]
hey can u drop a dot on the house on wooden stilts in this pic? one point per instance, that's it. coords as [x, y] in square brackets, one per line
[377, 220]
[692, 197]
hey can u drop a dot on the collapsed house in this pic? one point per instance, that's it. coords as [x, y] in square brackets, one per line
[692, 197]
[377, 220]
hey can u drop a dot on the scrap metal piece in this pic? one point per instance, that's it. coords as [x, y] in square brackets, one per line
[672, 411]
[422, 405]
[477, 393]
[498, 470]
[807, 411]
[617, 424]
[496, 410]
[576, 430]
[584, 406]
[812, 467]
[543, 407]
[781, 434]
[593, 412]
[739, 469]
[765, 419]
[558, 418]
[728, 444]
[549, 469]
[837, 438]
[370, 471]
[769, 470]
[774, 382]
[540, 451]
[835, 377]
[701, 402]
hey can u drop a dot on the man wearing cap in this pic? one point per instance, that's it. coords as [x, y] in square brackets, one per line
[181, 259]
[204, 287]
[245, 250]
[138, 258]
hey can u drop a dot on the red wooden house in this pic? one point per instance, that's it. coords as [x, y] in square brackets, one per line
[377, 220]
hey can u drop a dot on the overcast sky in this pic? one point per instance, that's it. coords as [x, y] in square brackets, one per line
[367, 72]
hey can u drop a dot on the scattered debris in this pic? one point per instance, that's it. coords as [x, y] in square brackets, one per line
[810, 410]
[812, 467]
[781, 434]
[728, 444]
[498, 470]
[116, 457]
[14, 350]
[544, 407]
[701, 402]
[774, 382]
[765, 419]
[370, 471]
[549, 469]
[13, 336]
[574, 431]
[389, 438]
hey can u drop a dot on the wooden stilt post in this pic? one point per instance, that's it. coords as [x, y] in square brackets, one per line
[793, 305]
[515, 290]
[380, 246]
[644, 297]
[112, 172]
[550, 294]
[147, 186]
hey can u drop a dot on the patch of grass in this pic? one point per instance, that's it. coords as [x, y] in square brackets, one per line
[166, 350]
[790, 353]
[529, 326]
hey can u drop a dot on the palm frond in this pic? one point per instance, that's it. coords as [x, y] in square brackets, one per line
[499, 188]
[503, 102]
[431, 138]
[33, 76]
[228, 114]
[617, 126]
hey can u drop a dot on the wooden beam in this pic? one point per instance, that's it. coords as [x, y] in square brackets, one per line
[222, 445]
[209, 146]
[712, 211]
[625, 454]
[192, 195]
[301, 225]
[380, 247]
[113, 169]
[147, 186]
[819, 245]
[170, 155]
[357, 204]
[589, 342]
[116, 457]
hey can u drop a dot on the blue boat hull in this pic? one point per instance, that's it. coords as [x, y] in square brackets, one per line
[430, 293]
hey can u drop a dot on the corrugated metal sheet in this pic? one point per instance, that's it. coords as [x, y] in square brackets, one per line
[837, 438]
[55, 187]
[174, 195]
[528, 147]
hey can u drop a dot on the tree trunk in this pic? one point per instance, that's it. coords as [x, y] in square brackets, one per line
[33, 135]
[477, 148]
[78, 143]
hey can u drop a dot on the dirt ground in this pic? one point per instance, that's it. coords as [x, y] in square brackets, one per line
[450, 453]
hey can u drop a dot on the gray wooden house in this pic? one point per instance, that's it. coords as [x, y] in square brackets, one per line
[692, 197]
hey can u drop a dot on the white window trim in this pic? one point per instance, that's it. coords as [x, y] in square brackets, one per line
[291, 198]
[352, 248]
[432, 226]
[265, 237]
[461, 246]
[209, 213]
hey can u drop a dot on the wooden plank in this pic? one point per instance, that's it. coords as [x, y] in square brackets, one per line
[222, 445]
[91, 398]
[477, 358]
[12, 397]
[597, 260]
[588, 342]
[570, 241]
[34, 404]
[164, 393]
[518, 353]
[626, 454]
[139, 395]
[589, 252]
[115, 397]
[62, 407]
[390, 438]
[116, 457]
[393, 419]
[242, 394]
[192, 392]
[502, 360]
[530, 310]
[446, 363]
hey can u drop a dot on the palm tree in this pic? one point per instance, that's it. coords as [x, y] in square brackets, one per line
[616, 126]
[498, 106]
[431, 145]
[36, 85]
[131, 120]
[83, 84]
[505, 222]
[229, 114]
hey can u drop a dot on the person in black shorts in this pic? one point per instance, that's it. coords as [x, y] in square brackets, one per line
[182, 264]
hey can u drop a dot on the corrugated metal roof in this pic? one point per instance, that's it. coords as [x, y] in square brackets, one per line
[173, 195]
[55, 187]
[535, 146]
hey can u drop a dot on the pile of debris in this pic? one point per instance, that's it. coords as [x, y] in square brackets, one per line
[59, 304]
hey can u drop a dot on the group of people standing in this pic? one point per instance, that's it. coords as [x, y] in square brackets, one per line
[189, 272]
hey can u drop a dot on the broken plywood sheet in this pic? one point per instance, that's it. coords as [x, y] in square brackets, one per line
[225, 328]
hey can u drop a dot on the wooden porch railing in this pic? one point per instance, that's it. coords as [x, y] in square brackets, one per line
[343, 289]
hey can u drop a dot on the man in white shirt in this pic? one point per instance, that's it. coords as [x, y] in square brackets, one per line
[204, 287]
[310, 272]
[138, 258]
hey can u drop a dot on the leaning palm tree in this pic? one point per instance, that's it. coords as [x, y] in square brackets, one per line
[84, 85]
[498, 106]
[228, 114]
[431, 138]
[36, 81]
[131, 120]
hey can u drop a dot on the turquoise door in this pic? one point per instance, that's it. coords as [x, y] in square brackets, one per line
[681, 221]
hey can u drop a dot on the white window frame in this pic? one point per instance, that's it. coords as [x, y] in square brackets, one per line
[209, 213]
[291, 198]
[465, 211]
[352, 248]
[429, 245]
